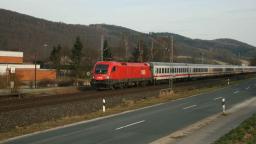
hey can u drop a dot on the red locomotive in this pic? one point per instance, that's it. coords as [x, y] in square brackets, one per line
[110, 74]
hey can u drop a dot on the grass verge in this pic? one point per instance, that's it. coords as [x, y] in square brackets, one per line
[245, 133]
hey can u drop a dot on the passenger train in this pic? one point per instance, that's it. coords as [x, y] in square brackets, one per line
[112, 74]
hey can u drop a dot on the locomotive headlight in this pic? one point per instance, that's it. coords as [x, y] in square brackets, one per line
[107, 77]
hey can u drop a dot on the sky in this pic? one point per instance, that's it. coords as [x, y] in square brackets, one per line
[202, 19]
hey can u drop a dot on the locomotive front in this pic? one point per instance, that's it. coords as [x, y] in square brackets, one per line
[101, 75]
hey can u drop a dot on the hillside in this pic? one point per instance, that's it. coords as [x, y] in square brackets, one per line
[29, 34]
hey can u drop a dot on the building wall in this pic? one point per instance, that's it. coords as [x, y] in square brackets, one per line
[4, 67]
[11, 60]
[11, 57]
[41, 74]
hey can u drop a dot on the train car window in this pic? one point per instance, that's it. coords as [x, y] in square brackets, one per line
[114, 69]
[162, 70]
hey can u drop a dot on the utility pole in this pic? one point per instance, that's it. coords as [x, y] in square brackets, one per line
[102, 47]
[35, 69]
[171, 61]
[239, 57]
[152, 48]
[202, 58]
[125, 42]
[140, 51]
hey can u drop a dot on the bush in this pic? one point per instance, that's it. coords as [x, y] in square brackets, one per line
[46, 83]
[64, 83]
[3, 83]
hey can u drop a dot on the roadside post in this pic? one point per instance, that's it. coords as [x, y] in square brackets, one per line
[12, 77]
[223, 106]
[12, 86]
[104, 105]
[228, 81]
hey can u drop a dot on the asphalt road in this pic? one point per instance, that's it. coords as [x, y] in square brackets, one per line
[146, 125]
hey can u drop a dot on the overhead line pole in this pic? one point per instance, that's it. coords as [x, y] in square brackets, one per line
[171, 61]
[152, 48]
[101, 47]
[35, 70]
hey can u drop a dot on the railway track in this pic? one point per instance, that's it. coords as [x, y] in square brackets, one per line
[23, 103]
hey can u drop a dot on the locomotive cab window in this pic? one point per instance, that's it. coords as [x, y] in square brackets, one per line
[101, 69]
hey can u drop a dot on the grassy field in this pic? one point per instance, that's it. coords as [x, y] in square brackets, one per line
[245, 133]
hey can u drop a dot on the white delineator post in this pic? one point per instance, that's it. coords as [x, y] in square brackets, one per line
[228, 81]
[104, 105]
[223, 106]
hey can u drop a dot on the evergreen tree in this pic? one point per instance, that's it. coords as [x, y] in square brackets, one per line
[55, 58]
[107, 55]
[146, 52]
[135, 54]
[76, 56]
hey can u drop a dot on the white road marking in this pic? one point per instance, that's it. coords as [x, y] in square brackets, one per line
[218, 98]
[247, 87]
[130, 125]
[189, 107]
[236, 92]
